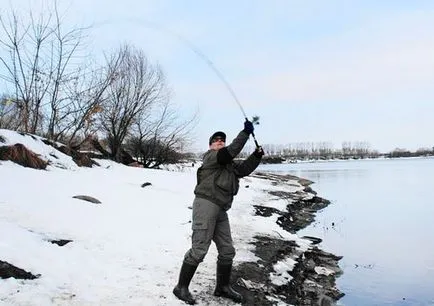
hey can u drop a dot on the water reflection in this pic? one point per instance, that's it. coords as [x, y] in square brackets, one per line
[381, 221]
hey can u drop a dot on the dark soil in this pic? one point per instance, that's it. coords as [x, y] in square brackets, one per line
[306, 287]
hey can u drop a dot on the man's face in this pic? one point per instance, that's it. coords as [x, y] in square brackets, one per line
[217, 143]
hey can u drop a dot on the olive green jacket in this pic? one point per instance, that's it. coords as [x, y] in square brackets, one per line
[218, 177]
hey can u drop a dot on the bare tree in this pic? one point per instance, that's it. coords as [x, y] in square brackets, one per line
[39, 63]
[346, 148]
[160, 136]
[136, 87]
[77, 120]
[8, 113]
[325, 149]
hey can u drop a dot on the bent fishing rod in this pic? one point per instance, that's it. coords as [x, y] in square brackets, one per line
[199, 53]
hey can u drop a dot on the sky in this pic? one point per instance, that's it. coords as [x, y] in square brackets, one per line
[313, 71]
[127, 250]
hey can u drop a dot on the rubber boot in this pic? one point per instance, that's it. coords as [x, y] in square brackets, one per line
[223, 288]
[181, 289]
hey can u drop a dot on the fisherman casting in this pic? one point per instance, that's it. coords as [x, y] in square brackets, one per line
[217, 184]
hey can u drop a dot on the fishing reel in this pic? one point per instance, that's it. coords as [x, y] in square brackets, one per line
[255, 121]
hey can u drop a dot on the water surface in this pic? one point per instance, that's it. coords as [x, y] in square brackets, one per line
[381, 220]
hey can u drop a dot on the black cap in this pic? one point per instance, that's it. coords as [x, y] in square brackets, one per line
[217, 134]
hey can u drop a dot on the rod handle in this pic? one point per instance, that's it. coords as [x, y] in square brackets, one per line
[253, 134]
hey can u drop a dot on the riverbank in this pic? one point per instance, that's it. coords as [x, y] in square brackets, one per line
[312, 281]
[377, 269]
[116, 235]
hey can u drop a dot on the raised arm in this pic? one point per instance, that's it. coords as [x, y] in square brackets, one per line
[228, 153]
[249, 165]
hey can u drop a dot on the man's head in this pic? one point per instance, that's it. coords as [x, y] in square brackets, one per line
[217, 141]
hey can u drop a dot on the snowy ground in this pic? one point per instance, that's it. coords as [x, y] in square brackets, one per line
[125, 251]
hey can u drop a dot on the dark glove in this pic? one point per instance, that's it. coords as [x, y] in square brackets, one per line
[259, 152]
[248, 127]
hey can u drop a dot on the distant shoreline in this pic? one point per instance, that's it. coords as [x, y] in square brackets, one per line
[285, 161]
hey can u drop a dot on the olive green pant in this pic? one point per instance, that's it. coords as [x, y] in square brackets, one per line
[210, 223]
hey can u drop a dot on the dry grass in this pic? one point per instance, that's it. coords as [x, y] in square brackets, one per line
[81, 159]
[19, 154]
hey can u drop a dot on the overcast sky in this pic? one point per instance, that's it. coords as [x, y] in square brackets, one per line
[312, 70]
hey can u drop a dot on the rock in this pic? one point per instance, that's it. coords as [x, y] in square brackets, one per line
[309, 190]
[7, 270]
[87, 198]
[60, 242]
[250, 284]
[305, 182]
[146, 184]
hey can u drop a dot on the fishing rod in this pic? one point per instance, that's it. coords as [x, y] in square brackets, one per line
[199, 53]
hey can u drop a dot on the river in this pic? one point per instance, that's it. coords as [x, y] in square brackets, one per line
[381, 220]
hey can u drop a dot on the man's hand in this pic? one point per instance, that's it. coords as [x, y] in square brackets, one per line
[259, 152]
[248, 127]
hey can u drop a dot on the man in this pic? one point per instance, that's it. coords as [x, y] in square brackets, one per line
[217, 183]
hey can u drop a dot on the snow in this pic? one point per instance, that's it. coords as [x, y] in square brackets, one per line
[126, 250]
[323, 271]
[281, 276]
[35, 144]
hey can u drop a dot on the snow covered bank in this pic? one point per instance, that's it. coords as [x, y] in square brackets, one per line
[127, 250]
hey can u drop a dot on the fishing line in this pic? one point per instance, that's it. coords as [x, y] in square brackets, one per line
[197, 51]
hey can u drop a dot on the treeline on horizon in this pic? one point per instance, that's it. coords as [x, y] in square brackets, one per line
[325, 151]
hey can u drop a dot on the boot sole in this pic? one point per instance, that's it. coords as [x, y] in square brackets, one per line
[228, 297]
[180, 298]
